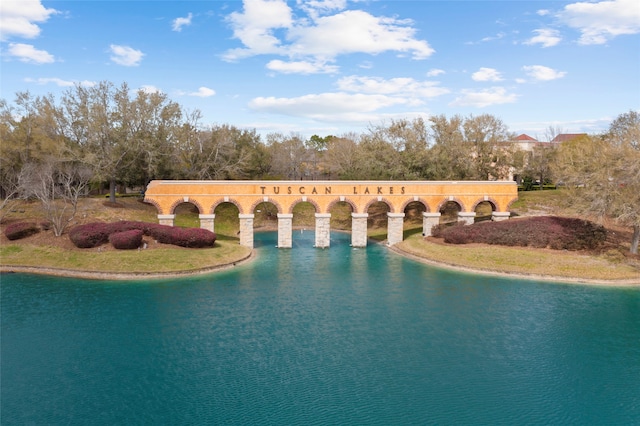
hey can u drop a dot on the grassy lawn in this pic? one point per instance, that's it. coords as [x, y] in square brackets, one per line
[521, 260]
[165, 259]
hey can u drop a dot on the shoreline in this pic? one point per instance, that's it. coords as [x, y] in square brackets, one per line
[538, 277]
[132, 276]
[123, 276]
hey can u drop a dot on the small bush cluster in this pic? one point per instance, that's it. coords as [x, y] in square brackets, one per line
[557, 233]
[126, 240]
[95, 234]
[19, 230]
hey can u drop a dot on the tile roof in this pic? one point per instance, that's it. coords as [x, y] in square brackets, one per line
[524, 137]
[563, 137]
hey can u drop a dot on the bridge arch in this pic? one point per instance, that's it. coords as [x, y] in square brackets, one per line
[216, 203]
[378, 200]
[335, 202]
[186, 200]
[415, 200]
[311, 201]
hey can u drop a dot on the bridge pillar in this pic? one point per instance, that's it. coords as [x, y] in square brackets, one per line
[246, 230]
[285, 222]
[166, 219]
[323, 229]
[359, 229]
[429, 220]
[206, 221]
[467, 217]
[394, 228]
[498, 216]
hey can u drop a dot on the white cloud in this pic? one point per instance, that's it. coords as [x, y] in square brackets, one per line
[406, 87]
[28, 53]
[254, 27]
[301, 67]
[203, 92]
[487, 74]
[125, 55]
[60, 82]
[20, 18]
[599, 22]
[542, 73]
[318, 7]
[545, 37]
[150, 89]
[356, 31]
[327, 106]
[178, 23]
[321, 37]
[543, 12]
[435, 72]
[484, 98]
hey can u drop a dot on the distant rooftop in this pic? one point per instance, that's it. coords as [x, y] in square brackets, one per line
[524, 137]
[564, 137]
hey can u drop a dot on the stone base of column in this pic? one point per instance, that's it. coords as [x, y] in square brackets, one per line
[359, 229]
[395, 228]
[429, 220]
[246, 230]
[166, 219]
[498, 216]
[323, 230]
[207, 221]
[467, 217]
[285, 230]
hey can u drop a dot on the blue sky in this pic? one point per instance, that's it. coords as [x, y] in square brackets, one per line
[336, 66]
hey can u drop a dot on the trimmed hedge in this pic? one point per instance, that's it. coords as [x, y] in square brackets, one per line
[559, 233]
[126, 240]
[20, 230]
[95, 234]
[90, 235]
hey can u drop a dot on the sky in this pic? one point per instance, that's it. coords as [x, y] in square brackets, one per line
[331, 67]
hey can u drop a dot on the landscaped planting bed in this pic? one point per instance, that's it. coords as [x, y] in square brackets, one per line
[127, 233]
[553, 232]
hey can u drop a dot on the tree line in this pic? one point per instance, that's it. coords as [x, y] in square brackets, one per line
[108, 135]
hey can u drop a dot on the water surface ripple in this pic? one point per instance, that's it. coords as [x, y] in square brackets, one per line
[314, 337]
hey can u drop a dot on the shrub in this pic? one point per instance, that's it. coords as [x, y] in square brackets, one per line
[540, 232]
[437, 231]
[90, 235]
[192, 237]
[20, 230]
[95, 234]
[126, 240]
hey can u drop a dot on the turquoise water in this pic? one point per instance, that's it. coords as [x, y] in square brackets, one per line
[308, 336]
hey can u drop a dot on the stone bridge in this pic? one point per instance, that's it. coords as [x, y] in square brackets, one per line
[166, 195]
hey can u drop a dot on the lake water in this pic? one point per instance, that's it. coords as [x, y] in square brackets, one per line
[307, 336]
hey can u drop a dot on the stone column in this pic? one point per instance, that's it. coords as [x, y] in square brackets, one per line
[323, 229]
[467, 217]
[207, 221]
[246, 230]
[394, 228]
[285, 222]
[429, 220]
[359, 229]
[166, 219]
[498, 216]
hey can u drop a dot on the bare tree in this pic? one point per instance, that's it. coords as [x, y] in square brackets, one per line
[602, 175]
[58, 185]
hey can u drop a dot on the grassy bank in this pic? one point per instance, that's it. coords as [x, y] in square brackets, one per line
[44, 250]
[519, 260]
[158, 260]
